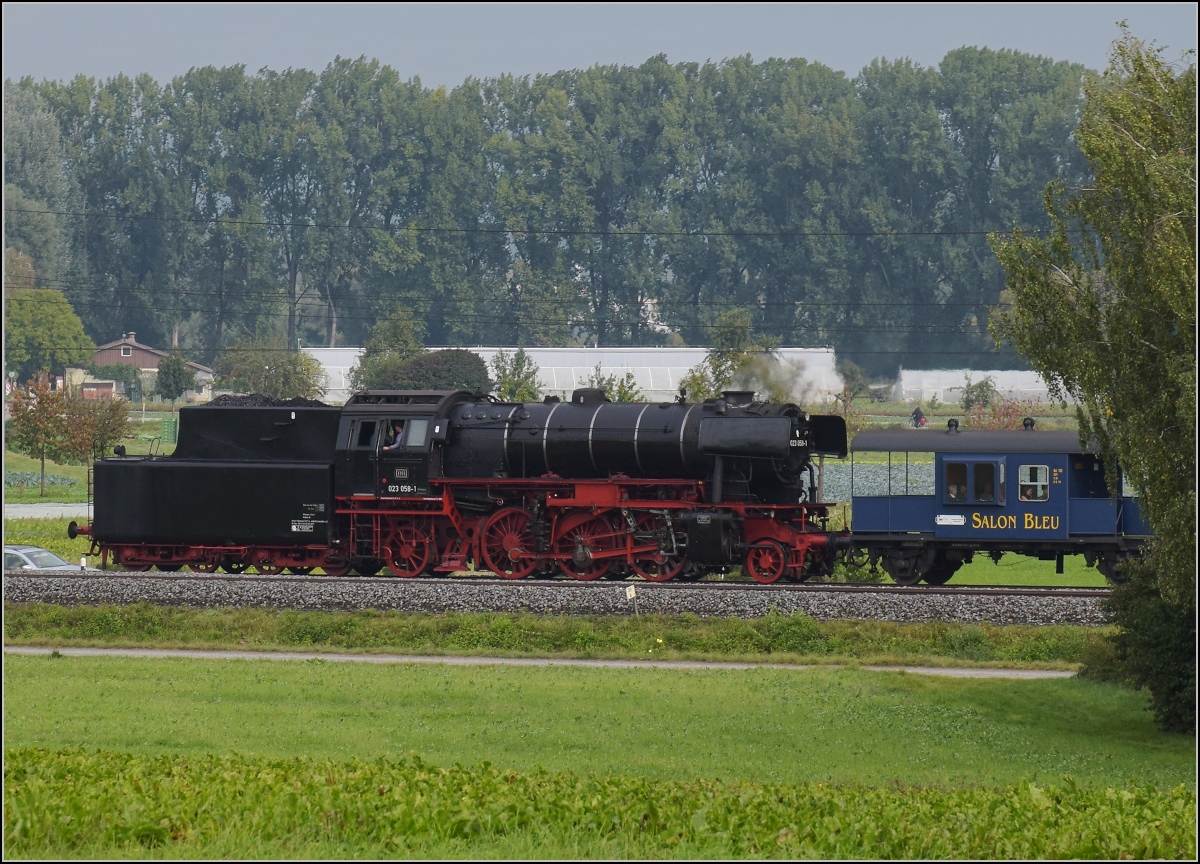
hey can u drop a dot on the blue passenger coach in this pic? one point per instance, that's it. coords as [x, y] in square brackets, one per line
[1034, 493]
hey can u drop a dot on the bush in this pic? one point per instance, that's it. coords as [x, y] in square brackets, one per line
[1155, 644]
[449, 369]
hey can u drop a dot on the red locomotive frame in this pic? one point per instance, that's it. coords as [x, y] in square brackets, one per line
[592, 529]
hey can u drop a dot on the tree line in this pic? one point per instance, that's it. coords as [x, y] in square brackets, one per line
[616, 205]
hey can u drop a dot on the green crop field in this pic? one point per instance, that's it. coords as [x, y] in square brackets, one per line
[110, 805]
[245, 759]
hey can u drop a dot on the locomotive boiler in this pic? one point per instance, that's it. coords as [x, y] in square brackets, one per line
[441, 482]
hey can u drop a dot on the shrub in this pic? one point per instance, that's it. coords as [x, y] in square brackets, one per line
[449, 369]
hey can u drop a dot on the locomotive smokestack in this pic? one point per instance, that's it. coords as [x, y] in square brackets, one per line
[738, 398]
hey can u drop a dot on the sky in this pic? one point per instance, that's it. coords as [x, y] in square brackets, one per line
[443, 44]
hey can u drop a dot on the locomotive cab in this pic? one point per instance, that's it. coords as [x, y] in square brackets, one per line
[389, 442]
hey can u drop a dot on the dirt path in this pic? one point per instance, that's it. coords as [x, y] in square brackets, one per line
[159, 653]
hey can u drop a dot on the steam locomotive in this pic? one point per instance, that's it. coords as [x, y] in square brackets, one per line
[438, 482]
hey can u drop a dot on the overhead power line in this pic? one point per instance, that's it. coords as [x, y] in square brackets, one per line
[409, 302]
[563, 232]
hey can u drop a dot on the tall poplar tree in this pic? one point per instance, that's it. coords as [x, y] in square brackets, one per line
[1105, 309]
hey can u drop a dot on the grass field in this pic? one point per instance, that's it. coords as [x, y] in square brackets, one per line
[132, 758]
[793, 638]
[833, 726]
[138, 444]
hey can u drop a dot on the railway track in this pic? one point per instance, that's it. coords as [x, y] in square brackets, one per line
[968, 603]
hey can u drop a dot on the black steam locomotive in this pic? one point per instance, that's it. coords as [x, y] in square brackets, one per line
[438, 482]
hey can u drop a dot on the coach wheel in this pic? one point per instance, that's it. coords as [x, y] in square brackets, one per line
[367, 568]
[939, 574]
[408, 551]
[506, 535]
[268, 569]
[765, 561]
[941, 571]
[205, 567]
[657, 566]
[904, 570]
[169, 568]
[1109, 567]
[231, 566]
[581, 536]
[300, 571]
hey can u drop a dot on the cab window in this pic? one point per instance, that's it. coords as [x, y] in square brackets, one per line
[366, 434]
[1034, 482]
[418, 431]
[956, 481]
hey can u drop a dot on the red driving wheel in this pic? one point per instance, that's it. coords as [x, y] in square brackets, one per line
[581, 536]
[504, 538]
[657, 566]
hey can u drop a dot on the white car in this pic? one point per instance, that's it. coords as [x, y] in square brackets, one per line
[35, 558]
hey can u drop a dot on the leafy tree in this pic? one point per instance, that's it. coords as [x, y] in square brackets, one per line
[43, 333]
[1104, 308]
[516, 377]
[854, 382]
[394, 342]
[735, 348]
[41, 196]
[451, 369]
[278, 149]
[616, 389]
[271, 370]
[174, 377]
[90, 428]
[35, 423]
[979, 393]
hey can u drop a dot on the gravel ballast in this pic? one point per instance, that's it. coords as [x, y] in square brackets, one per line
[883, 603]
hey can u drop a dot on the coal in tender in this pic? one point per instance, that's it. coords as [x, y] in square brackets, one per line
[260, 400]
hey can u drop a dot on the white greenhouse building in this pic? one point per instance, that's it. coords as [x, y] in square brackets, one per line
[656, 371]
[922, 385]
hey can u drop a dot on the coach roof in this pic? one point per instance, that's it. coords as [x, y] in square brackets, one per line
[942, 441]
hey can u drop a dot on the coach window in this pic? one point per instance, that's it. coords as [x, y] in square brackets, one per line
[1034, 482]
[366, 434]
[956, 481]
[985, 482]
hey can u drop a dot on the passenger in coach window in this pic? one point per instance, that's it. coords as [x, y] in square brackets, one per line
[1027, 493]
[984, 492]
[953, 492]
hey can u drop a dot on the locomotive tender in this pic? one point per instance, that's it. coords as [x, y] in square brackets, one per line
[439, 482]
[433, 481]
